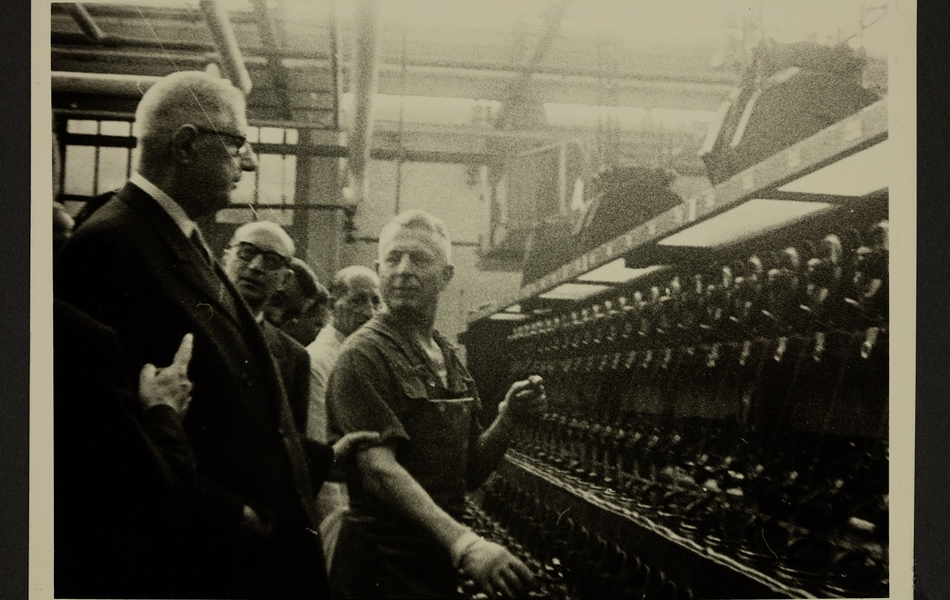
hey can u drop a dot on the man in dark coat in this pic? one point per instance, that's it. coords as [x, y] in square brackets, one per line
[139, 265]
[124, 469]
[257, 261]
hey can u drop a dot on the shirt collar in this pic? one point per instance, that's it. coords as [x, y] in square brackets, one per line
[174, 210]
[385, 324]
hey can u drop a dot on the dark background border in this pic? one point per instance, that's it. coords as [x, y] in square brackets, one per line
[932, 467]
[14, 298]
[932, 555]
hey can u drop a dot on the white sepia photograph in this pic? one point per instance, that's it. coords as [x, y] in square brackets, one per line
[565, 299]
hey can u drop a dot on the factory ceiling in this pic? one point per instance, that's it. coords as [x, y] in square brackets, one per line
[482, 77]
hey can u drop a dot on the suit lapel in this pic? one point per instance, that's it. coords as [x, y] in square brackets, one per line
[189, 266]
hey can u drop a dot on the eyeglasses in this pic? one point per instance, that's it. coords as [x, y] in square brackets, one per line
[271, 261]
[239, 141]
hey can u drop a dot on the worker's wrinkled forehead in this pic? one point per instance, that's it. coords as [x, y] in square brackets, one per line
[401, 235]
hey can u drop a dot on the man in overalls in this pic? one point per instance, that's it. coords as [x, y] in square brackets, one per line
[399, 376]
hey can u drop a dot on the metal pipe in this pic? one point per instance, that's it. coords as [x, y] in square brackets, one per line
[226, 43]
[102, 84]
[552, 25]
[268, 28]
[85, 21]
[335, 64]
[564, 76]
[134, 86]
[364, 88]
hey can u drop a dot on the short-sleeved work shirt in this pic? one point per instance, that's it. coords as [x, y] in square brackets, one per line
[385, 382]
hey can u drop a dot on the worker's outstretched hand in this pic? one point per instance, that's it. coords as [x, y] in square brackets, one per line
[525, 399]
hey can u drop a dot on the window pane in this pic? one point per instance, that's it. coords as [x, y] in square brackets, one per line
[112, 168]
[252, 134]
[270, 170]
[244, 194]
[290, 178]
[120, 128]
[82, 126]
[272, 135]
[80, 166]
[291, 136]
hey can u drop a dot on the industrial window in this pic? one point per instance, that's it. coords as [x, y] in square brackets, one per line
[267, 193]
[99, 156]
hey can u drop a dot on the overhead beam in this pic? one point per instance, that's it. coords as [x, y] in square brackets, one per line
[550, 29]
[132, 86]
[107, 10]
[514, 102]
[364, 88]
[85, 21]
[417, 81]
[72, 42]
[268, 28]
[335, 67]
[226, 43]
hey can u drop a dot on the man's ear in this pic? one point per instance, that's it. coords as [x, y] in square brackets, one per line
[182, 145]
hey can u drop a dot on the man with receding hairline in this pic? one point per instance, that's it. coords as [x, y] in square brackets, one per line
[257, 261]
[399, 376]
[355, 299]
[140, 266]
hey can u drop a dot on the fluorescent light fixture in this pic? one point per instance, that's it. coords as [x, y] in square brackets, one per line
[617, 272]
[858, 175]
[573, 291]
[514, 308]
[750, 218]
[503, 316]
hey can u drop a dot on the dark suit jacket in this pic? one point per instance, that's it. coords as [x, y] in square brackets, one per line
[293, 363]
[124, 476]
[131, 267]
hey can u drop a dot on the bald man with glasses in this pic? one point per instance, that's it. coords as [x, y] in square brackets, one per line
[257, 261]
[139, 265]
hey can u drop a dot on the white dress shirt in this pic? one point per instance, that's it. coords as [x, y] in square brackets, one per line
[324, 352]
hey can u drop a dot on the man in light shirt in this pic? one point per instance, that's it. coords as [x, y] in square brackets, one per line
[355, 298]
